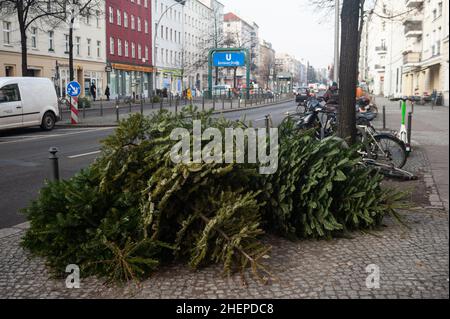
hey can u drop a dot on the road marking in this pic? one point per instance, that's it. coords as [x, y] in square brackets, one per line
[82, 155]
[42, 137]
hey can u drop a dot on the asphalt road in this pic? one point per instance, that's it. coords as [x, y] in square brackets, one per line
[24, 163]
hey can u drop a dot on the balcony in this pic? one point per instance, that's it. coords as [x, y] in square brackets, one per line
[413, 28]
[411, 57]
[381, 50]
[413, 3]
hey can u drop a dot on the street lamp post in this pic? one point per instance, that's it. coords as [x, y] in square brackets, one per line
[336, 41]
[183, 2]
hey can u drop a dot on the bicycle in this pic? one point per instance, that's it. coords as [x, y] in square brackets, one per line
[389, 170]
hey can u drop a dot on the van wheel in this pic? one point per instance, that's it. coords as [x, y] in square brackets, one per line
[48, 121]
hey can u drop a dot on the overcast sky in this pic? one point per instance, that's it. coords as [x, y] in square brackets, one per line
[292, 26]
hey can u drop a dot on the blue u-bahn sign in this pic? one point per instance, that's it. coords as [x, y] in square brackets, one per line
[228, 59]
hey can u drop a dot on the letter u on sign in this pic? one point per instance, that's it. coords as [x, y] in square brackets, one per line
[228, 57]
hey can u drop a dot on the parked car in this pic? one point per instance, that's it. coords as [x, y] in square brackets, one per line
[219, 90]
[26, 102]
[302, 95]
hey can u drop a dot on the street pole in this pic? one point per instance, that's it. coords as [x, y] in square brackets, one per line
[154, 41]
[336, 41]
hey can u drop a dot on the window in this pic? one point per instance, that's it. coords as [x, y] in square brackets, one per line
[146, 53]
[133, 50]
[51, 41]
[9, 93]
[126, 49]
[34, 37]
[125, 20]
[6, 32]
[139, 24]
[119, 17]
[66, 43]
[139, 52]
[111, 15]
[97, 16]
[439, 9]
[99, 49]
[132, 22]
[146, 26]
[77, 45]
[111, 45]
[162, 32]
[89, 41]
[119, 47]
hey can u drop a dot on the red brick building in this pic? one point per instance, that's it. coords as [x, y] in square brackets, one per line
[129, 47]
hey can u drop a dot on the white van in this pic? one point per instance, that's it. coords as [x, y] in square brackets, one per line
[28, 102]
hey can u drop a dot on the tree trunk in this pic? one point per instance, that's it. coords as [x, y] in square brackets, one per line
[71, 71]
[348, 70]
[234, 77]
[23, 38]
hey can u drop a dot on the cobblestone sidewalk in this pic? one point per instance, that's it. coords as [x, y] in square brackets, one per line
[413, 263]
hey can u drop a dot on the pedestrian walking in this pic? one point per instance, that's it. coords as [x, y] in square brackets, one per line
[93, 91]
[107, 92]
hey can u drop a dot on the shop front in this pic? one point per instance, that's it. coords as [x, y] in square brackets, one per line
[129, 81]
[168, 80]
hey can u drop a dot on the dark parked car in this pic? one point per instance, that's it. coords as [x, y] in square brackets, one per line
[302, 95]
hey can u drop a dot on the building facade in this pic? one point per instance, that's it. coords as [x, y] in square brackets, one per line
[168, 19]
[426, 65]
[266, 65]
[48, 51]
[404, 48]
[242, 34]
[129, 43]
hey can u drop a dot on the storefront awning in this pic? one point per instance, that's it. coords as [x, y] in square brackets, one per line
[136, 68]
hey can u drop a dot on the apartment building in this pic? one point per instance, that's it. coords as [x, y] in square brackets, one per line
[404, 48]
[185, 31]
[48, 50]
[129, 48]
[426, 55]
[240, 33]
[168, 19]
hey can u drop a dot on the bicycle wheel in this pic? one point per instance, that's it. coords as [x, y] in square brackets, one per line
[389, 150]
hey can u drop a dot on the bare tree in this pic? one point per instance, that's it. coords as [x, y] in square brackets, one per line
[28, 12]
[70, 11]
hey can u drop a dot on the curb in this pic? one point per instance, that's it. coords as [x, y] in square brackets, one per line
[6, 232]
[215, 112]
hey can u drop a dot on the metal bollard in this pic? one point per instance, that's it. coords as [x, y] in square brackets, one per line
[223, 102]
[268, 123]
[117, 112]
[409, 129]
[101, 107]
[231, 102]
[54, 163]
[214, 103]
[84, 110]
[176, 107]
[203, 102]
[142, 107]
[129, 105]
[161, 103]
[384, 117]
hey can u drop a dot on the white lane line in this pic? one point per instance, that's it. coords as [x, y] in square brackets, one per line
[55, 136]
[85, 154]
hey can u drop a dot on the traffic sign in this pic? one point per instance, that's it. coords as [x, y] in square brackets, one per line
[73, 89]
[228, 59]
